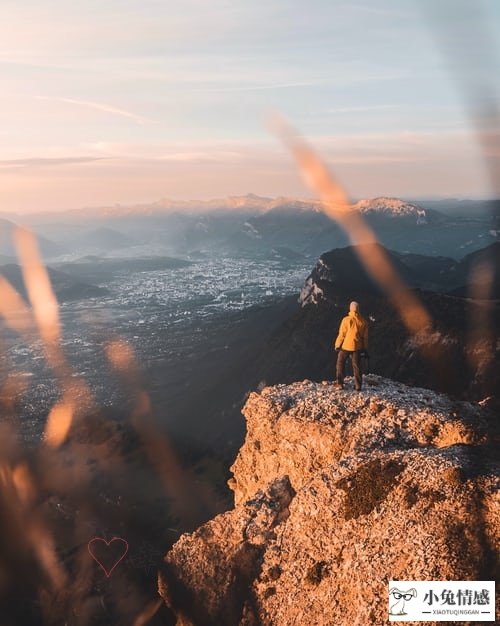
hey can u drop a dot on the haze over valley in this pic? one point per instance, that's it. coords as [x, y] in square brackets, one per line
[187, 286]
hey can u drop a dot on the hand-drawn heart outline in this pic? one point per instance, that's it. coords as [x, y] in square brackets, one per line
[89, 547]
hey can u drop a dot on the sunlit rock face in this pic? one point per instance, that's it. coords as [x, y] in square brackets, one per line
[336, 493]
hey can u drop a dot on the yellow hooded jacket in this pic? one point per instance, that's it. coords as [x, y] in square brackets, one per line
[353, 333]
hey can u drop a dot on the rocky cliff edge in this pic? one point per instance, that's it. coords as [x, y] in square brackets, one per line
[336, 493]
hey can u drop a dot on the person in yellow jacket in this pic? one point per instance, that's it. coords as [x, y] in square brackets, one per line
[352, 339]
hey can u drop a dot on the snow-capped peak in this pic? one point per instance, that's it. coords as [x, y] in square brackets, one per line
[393, 207]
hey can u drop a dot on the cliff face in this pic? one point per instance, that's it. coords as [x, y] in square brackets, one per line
[336, 493]
[301, 347]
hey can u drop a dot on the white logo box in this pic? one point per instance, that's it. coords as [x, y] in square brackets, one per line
[441, 600]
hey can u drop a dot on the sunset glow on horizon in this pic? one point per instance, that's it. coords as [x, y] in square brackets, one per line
[130, 102]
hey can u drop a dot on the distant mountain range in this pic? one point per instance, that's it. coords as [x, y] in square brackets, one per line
[47, 247]
[65, 287]
[464, 207]
[253, 225]
[104, 238]
[252, 202]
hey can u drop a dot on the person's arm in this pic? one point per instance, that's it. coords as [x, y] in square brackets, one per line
[341, 336]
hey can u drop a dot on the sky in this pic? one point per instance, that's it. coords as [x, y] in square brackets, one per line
[126, 101]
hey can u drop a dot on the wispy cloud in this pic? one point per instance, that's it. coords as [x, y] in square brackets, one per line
[99, 106]
[47, 161]
[290, 85]
[182, 152]
[362, 109]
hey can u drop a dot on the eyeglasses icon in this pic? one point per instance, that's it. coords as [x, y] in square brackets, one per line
[407, 596]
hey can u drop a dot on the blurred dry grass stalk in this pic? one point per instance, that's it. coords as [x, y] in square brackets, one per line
[337, 206]
[29, 557]
[474, 71]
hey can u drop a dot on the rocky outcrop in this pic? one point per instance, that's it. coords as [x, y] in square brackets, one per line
[336, 493]
[459, 355]
[339, 271]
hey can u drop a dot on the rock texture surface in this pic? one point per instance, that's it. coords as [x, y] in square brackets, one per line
[336, 493]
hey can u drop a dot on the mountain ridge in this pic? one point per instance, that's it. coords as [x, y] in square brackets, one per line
[66, 287]
[341, 267]
[302, 346]
[234, 202]
[254, 225]
[47, 247]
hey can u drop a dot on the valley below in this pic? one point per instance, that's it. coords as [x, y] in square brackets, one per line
[207, 326]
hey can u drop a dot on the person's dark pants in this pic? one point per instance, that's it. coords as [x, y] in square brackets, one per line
[356, 367]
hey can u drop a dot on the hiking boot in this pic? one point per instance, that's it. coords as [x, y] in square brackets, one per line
[338, 385]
